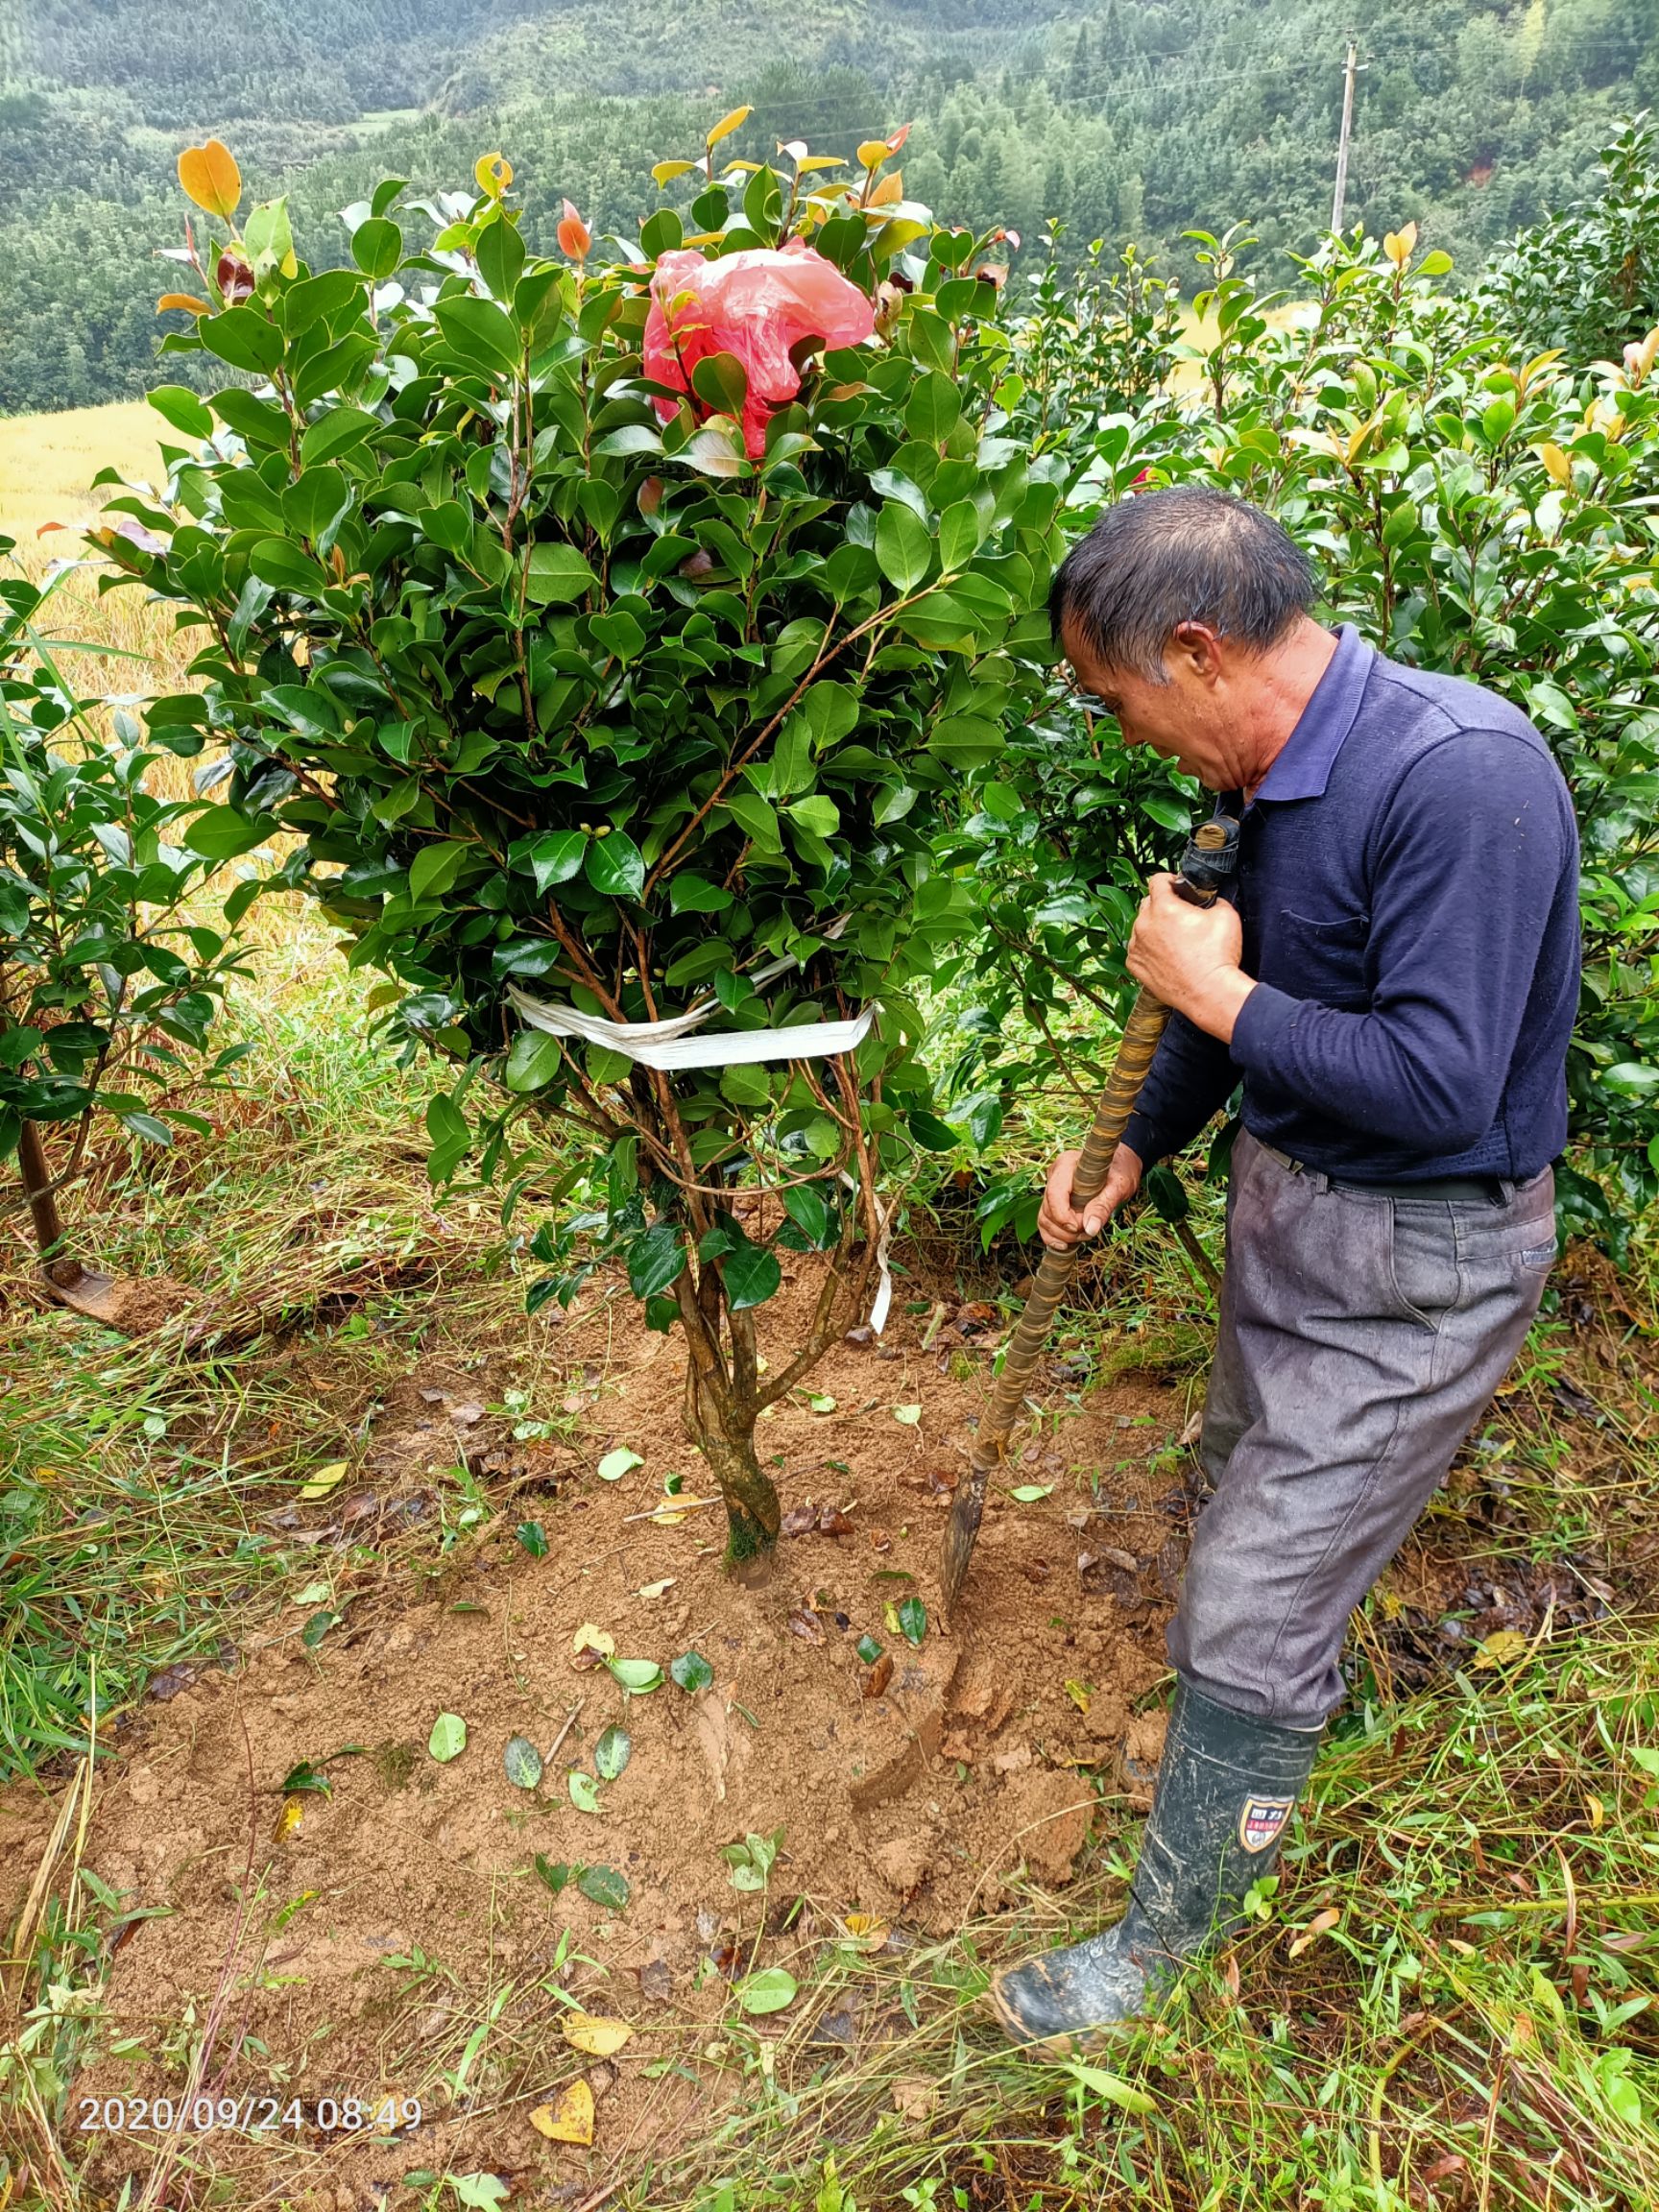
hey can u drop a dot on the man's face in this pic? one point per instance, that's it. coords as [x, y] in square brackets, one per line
[1185, 720]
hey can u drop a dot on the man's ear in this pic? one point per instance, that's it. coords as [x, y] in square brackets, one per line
[1196, 649]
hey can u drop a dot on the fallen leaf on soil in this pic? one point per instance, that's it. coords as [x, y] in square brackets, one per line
[915, 2100]
[909, 1415]
[591, 1645]
[804, 1624]
[1502, 1648]
[325, 1479]
[616, 1464]
[637, 1676]
[691, 1671]
[1080, 1695]
[1028, 1492]
[449, 1738]
[605, 1885]
[833, 1522]
[534, 1538]
[656, 1589]
[523, 1762]
[880, 1675]
[868, 1929]
[1596, 1811]
[1315, 1928]
[613, 1753]
[289, 1819]
[584, 1791]
[800, 1521]
[594, 2034]
[913, 1622]
[1036, 1570]
[821, 1403]
[768, 1991]
[570, 2120]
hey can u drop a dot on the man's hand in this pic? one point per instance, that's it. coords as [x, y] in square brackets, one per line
[1189, 957]
[1059, 1225]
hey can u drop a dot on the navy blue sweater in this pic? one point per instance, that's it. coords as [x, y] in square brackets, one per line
[1408, 890]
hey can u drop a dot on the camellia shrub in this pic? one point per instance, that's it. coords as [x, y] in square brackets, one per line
[1473, 508]
[109, 981]
[611, 636]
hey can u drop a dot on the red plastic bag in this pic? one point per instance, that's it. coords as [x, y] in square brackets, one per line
[756, 305]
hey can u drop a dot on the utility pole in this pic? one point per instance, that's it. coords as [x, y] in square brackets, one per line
[1350, 70]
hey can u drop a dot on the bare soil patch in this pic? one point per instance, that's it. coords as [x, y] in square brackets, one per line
[354, 1946]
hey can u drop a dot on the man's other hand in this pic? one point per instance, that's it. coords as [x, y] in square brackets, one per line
[1189, 957]
[1059, 1224]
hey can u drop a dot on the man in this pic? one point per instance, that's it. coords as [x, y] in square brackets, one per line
[1395, 989]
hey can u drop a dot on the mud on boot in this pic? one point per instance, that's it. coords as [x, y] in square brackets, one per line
[1227, 1787]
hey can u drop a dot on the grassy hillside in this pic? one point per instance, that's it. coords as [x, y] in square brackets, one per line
[1122, 118]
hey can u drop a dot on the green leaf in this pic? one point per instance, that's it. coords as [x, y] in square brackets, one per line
[691, 1671]
[183, 409]
[1028, 1492]
[278, 561]
[618, 1464]
[637, 1676]
[435, 867]
[222, 832]
[153, 1132]
[524, 1763]
[584, 1791]
[556, 1875]
[769, 1990]
[902, 547]
[930, 1132]
[913, 1620]
[959, 534]
[692, 894]
[534, 1538]
[612, 1753]
[606, 1886]
[334, 433]
[868, 1649]
[656, 1260]
[244, 337]
[378, 248]
[965, 741]
[616, 865]
[1111, 2087]
[751, 1275]
[481, 333]
[555, 576]
[933, 409]
[316, 500]
[449, 1738]
[819, 815]
[534, 1061]
[554, 858]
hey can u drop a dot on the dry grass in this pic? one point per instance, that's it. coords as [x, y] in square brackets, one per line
[47, 463]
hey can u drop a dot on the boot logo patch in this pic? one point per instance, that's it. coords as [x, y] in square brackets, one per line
[1262, 1821]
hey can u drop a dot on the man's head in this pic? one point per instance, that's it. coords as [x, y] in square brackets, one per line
[1185, 613]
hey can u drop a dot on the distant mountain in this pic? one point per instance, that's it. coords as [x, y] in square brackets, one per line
[1119, 117]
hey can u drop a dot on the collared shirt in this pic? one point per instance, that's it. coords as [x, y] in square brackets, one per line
[1408, 892]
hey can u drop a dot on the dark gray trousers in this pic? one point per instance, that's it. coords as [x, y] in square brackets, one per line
[1362, 1335]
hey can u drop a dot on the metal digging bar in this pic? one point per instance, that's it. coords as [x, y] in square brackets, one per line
[1208, 863]
[61, 1275]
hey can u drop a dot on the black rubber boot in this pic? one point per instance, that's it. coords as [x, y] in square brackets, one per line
[1226, 1788]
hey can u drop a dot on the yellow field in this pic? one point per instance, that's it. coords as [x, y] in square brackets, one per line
[47, 463]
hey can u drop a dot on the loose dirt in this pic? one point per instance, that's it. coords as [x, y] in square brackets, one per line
[395, 1939]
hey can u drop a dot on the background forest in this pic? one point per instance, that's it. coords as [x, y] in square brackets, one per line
[1118, 118]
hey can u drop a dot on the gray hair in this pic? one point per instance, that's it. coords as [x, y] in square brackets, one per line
[1186, 554]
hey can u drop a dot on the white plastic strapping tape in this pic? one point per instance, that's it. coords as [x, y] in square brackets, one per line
[672, 1045]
